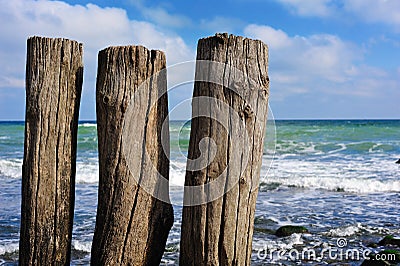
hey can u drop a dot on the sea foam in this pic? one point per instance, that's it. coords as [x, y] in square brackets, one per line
[11, 168]
[356, 174]
[8, 247]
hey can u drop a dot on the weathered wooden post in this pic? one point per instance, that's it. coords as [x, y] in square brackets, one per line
[132, 225]
[54, 73]
[229, 112]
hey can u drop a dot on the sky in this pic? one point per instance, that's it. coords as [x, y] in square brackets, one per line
[327, 59]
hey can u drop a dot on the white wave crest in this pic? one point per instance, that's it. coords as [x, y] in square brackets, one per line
[11, 168]
[345, 231]
[87, 172]
[88, 125]
[356, 175]
[10, 247]
[177, 173]
[85, 246]
[342, 184]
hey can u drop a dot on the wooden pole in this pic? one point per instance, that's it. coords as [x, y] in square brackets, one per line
[217, 229]
[132, 225]
[54, 73]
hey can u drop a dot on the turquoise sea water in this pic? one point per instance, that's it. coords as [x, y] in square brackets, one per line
[336, 177]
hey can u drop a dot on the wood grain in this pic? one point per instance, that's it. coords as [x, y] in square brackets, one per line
[54, 73]
[132, 226]
[220, 231]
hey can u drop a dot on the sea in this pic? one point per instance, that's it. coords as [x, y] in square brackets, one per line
[337, 178]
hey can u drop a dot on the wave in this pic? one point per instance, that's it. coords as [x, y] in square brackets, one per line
[356, 229]
[87, 172]
[348, 230]
[9, 247]
[285, 243]
[357, 174]
[324, 148]
[12, 247]
[349, 174]
[88, 125]
[357, 177]
[11, 168]
[342, 184]
[83, 246]
[177, 173]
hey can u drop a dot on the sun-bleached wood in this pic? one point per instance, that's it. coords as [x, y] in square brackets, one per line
[54, 73]
[220, 232]
[132, 226]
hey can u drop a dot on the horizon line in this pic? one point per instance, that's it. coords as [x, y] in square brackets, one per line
[278, 119]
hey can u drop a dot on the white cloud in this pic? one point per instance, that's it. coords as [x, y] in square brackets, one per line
[319, 63]
[221, 24]
[175, 47]
[92, 25]
[384, 11]
[318, 8]
[11, 82]
[162, 17]
[276, 38]
[374, 11]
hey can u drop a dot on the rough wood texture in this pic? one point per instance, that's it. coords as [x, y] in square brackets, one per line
[220, 232]
[132, 226]
[54, 73]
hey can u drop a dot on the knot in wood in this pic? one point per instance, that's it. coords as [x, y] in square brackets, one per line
[234, 85]
[265, 81]
[248, 111]
[106, 99]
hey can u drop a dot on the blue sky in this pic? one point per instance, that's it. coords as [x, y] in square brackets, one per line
[328, 59]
